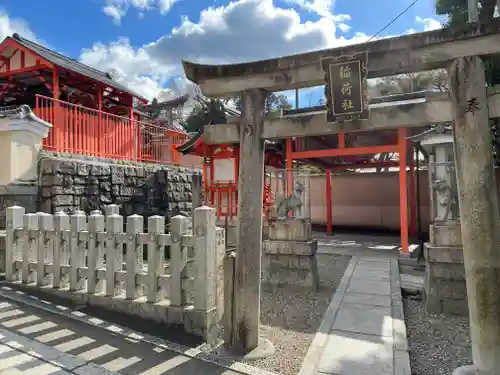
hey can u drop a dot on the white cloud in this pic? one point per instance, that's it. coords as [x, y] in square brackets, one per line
[132, 67]
[239, 31]
[9, 26]
[117, 9]
[429, 23]
[343, 27]
[323, 8]
[243, 30]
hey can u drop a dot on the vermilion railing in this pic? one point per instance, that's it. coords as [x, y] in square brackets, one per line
[81, 130]
[223, 196]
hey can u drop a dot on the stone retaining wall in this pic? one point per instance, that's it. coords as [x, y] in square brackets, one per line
[71, 183]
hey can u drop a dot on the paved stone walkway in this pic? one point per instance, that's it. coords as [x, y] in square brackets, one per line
[363, 332]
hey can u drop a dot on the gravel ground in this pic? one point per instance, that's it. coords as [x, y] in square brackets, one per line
[290, 316]
[438, 343]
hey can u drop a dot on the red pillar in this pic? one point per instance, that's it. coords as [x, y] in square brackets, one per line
[413, 196]
[134, 133]
[341, 140]
[212, 185]
[403, 192]
[329, 202]
[57, 115]
[289, 166]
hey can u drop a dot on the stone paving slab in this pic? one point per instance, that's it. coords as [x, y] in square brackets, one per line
[369, 286]
[357, 354]
[384, 266]
[367, 299]
[372, 275]
[366, 333]
[370, 320]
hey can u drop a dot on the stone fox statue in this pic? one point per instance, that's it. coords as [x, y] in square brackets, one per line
[290, 204]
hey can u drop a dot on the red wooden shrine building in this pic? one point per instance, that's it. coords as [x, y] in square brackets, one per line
[333, 153]
[221, 169]
[91, 113]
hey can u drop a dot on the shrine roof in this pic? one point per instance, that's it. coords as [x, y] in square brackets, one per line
[188, 146]
[438, 130]
[71, 64]
[20, 113]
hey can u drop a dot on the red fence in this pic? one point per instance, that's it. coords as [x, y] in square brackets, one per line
[223, 196]
[81, 130]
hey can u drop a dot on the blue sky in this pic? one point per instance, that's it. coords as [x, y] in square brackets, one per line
[144, 40]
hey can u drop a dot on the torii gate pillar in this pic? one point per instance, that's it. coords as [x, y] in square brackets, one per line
[479, 211]
[246, 316]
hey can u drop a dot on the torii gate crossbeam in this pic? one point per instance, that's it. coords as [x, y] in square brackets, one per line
[406, 54]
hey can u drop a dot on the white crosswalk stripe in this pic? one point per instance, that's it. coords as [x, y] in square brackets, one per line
[95, 353]
[4, 305]
[43, 369]
[165, 366]
[74, 344]
[20, 321]
[15, 360]
[51, 336]
[66, 341]
[10, 313]
[37, 328]
[120, 363]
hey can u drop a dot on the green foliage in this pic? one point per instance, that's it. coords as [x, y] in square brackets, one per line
[203, 114]
[215, 111]
[436, 80]
[273, 102]
[457, 13]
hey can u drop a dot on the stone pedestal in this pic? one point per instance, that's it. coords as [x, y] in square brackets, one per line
[231, 230]
[445, 285]
[21, 135]
[289, 254]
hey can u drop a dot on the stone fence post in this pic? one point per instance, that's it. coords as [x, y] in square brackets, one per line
[178, 256]
[206, 290]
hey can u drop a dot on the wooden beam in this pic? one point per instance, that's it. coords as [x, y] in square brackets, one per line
[14, 44]
[436, 108]
[405, 54]
[29, 69]
[311, 154]
[23, 59]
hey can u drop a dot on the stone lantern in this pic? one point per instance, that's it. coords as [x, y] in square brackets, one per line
[445, 275]
[438, 143]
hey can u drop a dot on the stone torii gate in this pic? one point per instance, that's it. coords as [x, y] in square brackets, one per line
[467, 107]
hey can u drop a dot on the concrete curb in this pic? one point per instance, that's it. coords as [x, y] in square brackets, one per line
[399, 335]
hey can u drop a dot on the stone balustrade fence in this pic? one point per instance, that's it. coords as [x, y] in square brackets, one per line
[93, 260]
